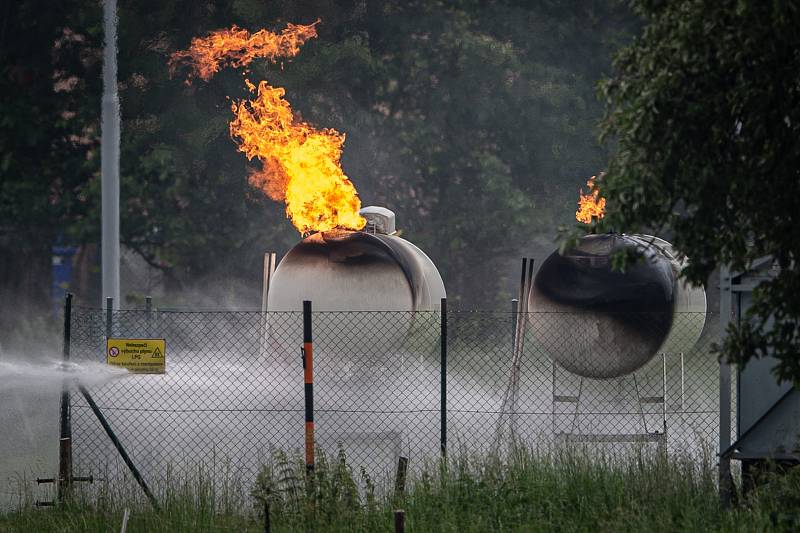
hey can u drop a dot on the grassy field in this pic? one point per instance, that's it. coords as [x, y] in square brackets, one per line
[557, 491]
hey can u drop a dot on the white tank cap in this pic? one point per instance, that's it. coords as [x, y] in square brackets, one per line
[379, 219]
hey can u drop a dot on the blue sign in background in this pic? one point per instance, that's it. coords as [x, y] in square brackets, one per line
[61, 276]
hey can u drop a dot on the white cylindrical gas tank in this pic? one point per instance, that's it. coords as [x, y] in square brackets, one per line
[343, 272]
[356, 271]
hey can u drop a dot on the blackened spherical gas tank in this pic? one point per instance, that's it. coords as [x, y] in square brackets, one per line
[598, 322]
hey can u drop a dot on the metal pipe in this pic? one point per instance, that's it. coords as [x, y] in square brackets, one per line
[725, 485]
[443, 380]
[553, 393]
[514, 311]
[270, 259]
[530, 282]
[125, 516]
[523, 282]
[40, 480]
[308, 375]
[65, 433]
[522, 298]
[109, 156]
[664, 389]
[118, 445]
[725, 314]
[522, 316]
[683, 386]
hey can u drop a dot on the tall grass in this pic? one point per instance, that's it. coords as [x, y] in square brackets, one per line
[531, 490]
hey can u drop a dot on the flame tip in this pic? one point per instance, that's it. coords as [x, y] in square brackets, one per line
[591, 205]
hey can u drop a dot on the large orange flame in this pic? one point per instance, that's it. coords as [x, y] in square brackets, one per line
[590, 205]
[300, 164]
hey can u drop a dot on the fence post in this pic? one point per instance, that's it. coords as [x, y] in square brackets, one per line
[400, 476]
[664, 390]
[443, 384]
[65, 433]
[399, 521]
[308, 375]
[148, 309]
[109, 316]
[725, 315]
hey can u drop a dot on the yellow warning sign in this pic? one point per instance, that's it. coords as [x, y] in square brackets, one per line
[140, 356]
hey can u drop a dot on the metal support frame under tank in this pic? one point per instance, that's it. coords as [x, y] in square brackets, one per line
[507, 423]
[640, 400]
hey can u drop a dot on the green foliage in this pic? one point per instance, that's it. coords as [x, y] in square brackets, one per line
[704, 113]
[46, 132]
[532, 491]
[49, 72]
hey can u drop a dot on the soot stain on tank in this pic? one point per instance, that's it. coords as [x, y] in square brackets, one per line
[356, 270]
[350, 247]
[615, 320]
[585, 280]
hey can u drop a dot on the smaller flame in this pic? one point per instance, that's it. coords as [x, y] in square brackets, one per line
[238, 48]
[590, 205]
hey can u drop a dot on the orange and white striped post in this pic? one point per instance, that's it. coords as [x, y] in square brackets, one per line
[308, 375]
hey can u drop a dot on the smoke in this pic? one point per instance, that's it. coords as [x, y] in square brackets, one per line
[271, 182]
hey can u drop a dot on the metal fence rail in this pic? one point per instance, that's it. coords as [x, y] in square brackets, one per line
[233, 388]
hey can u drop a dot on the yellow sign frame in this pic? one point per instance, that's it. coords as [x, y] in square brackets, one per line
[139, 356]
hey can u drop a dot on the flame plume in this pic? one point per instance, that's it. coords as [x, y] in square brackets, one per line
[300, 163]
[238, 47]
[590, 205]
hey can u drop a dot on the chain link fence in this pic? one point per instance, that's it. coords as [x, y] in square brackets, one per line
[233, 391]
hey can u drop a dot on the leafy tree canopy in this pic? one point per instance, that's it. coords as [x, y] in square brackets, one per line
[704, 112]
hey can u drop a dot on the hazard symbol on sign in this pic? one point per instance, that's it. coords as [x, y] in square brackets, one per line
[139, 356]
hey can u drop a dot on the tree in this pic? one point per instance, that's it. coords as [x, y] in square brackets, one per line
[50, 99]
[703, 110]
